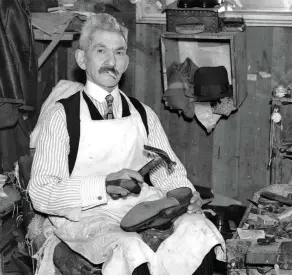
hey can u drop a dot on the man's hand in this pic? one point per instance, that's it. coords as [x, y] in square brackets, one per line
[195, 204]
[117, 191]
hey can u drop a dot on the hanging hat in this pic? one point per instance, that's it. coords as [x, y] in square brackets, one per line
[211, 83]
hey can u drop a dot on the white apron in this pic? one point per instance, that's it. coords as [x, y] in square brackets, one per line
[108, 146]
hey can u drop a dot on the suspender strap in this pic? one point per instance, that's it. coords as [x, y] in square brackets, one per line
[141, 110]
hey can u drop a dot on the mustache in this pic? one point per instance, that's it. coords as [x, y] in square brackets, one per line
[106, 69]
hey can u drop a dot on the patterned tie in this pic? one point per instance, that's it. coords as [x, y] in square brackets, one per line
[109, 114]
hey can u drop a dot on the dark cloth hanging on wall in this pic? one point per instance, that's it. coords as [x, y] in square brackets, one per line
[18, 80]
[18, 70]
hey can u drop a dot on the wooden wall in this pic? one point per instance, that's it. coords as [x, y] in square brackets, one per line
[233, 158]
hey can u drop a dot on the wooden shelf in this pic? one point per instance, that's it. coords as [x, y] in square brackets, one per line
[220, 35]
[209, 49]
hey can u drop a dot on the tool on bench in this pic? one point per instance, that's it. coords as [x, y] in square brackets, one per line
[132, 185]
[267, 240]
[260, 206]
[279, 198]
[262, 210]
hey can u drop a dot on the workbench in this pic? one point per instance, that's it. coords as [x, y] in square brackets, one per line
[249, 256]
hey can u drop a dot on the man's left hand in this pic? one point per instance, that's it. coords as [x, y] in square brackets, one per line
[195, 204]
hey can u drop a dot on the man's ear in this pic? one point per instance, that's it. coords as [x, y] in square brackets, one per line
[126, 63]
[80, 58]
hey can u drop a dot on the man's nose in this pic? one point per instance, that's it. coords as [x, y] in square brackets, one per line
[111, 60]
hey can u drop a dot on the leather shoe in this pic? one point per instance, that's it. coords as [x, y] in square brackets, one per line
[157, 213]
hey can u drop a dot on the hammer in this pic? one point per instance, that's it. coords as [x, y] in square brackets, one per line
[162, 156]
[129, 184]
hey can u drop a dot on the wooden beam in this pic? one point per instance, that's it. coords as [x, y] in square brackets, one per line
[39, 35]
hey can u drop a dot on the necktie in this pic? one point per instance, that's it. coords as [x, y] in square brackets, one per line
[109, 114]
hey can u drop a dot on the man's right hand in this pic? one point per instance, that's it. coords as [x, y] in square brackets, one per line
[125, 174]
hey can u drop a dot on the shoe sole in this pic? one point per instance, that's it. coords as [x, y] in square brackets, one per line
[164, 216]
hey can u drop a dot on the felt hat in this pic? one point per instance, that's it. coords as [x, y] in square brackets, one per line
[211, 83]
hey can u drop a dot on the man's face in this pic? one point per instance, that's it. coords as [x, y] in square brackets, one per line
[105, 60]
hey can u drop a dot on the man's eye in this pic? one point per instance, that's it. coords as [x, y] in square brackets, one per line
[101, 51]
[120, 53]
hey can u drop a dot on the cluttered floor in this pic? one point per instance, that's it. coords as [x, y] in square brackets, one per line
[258, 236]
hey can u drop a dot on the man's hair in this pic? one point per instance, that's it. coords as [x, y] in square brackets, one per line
[100, 21]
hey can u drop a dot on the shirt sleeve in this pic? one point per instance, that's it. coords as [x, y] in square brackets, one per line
[51, 189]
[160, 176]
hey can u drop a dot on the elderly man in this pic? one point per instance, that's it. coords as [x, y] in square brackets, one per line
[95, 136]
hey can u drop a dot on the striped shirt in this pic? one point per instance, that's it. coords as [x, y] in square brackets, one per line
[54, 192]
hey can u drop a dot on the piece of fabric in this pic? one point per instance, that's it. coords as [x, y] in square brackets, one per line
[204, 114]
[180, 82]
[62, 90]
[224, 106]
[109, 114]
[18, 79]
[194, 236]
[52, 190]
[8, 115]
[18, 70]
[44, 256]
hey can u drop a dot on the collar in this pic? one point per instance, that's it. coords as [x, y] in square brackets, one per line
[98, 93]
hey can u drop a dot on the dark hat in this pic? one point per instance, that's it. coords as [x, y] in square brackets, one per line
[211, 83]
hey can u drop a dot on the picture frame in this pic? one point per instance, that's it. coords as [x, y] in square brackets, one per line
[276, 13]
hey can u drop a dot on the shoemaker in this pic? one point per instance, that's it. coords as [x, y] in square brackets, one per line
[95, 136]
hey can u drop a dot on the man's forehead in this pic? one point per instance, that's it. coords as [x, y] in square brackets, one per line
[108, 39]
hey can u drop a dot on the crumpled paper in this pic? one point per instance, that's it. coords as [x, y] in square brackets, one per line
[203, 112]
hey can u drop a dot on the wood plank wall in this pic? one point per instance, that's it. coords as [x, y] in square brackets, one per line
[233, 158]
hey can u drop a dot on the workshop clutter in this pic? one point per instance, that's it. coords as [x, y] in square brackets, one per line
[9, 195]
[192, 17]
[12, 244]
[201, 91]
[263, 241]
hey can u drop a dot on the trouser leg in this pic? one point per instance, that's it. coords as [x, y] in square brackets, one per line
[141, 270]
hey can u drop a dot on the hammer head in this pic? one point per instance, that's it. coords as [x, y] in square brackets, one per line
[162, 154]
